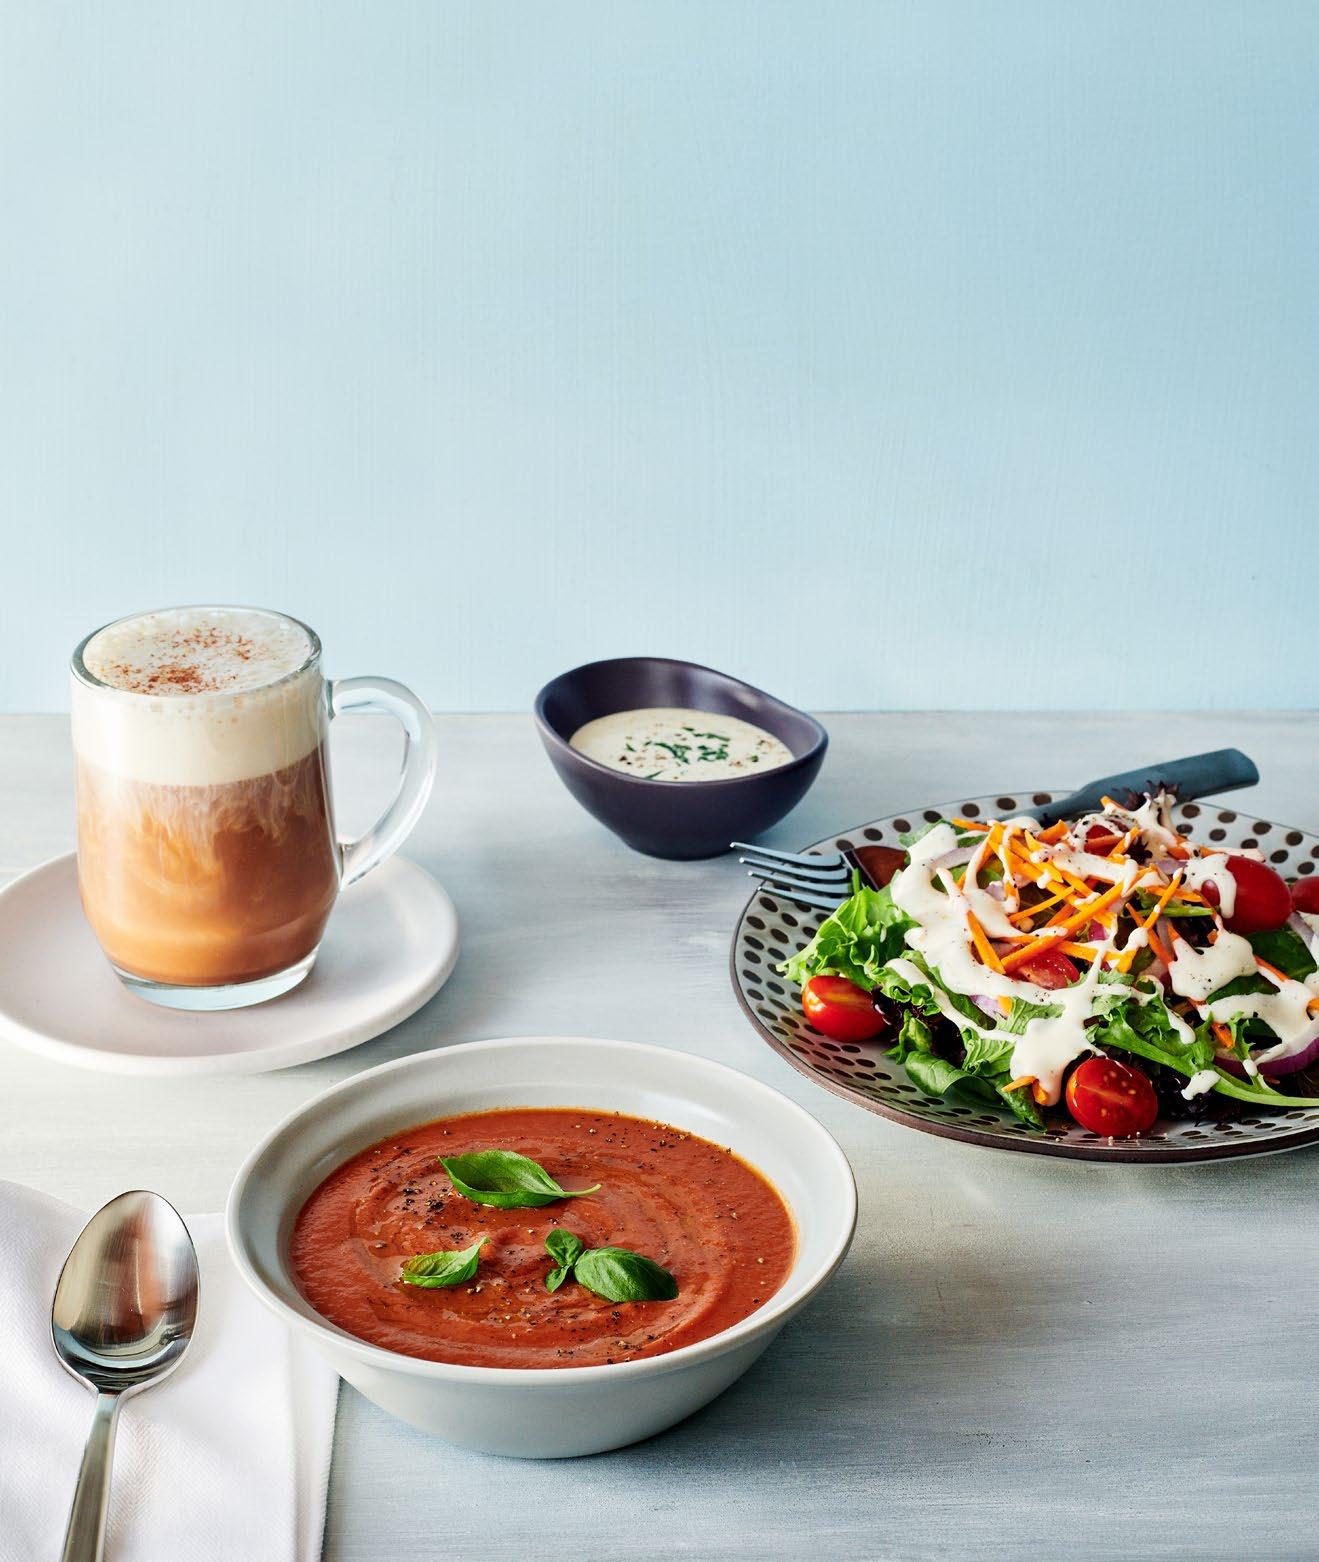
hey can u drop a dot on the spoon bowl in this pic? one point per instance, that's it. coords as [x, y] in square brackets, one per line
[124, 1312]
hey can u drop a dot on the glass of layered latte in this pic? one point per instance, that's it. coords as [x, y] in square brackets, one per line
[207, 856]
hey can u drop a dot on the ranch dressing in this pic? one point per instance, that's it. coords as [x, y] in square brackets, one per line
[1051, 1042]
[669, 743]
[1213, 869]
[1286, 1013]
[1200, 1084]
[1195, 973]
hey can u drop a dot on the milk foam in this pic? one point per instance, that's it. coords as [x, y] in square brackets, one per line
[196, 650]
[198, 697]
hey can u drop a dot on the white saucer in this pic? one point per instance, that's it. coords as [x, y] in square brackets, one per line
[391, 943]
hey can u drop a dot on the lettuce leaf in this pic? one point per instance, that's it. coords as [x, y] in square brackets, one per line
[983, 1072]
[934, 1075]
[1146, 1030]
[1024, 1106]
[1285, 948]
[854, 941]
[920, 995]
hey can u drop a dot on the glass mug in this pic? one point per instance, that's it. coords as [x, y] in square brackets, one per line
[207, 857]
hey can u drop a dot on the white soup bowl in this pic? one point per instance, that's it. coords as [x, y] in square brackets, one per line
[544, 1413]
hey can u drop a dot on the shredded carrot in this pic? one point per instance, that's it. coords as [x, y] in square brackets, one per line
[1118, 853]
[1124, 964]
[1020, 1084]
[1031, 912]
[1085, 914]
[1057, 868]
[1078, 884]
[969, 824]
[1156, 945]
[1040, 1093]
[1223, 1036]
[1055, 832]
[1034, 872]
[1083, 951]
[1092, 908]
[983, 947]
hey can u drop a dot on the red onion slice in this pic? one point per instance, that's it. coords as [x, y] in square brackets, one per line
[1276, 1067]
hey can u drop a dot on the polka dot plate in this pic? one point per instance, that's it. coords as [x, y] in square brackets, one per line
[773, 926]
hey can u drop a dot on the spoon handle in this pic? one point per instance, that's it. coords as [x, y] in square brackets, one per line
[85, 1536]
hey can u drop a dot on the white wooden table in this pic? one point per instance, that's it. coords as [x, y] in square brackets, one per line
[1019, 1355]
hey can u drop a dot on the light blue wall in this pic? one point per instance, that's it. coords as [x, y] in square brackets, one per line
[929, 354]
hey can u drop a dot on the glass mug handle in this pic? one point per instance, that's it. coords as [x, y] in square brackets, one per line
[388, 833]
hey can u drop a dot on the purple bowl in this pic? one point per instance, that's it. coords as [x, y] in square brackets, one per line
[678, 819]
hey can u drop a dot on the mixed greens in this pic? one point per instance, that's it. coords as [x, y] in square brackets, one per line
[1001, 954]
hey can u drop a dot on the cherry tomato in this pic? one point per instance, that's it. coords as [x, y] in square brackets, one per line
[1263, 900]
[1111, 1098]
[1050, 968]
[1305, 895]
[1102, 838]
[840, 1009]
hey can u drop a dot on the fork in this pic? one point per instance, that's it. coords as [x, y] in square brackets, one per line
[823, 879]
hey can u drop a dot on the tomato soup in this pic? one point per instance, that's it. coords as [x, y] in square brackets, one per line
[693, 1207]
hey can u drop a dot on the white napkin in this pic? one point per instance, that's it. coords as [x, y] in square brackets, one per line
[225, 1461]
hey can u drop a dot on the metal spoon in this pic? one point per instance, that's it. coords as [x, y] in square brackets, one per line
[125, 1308]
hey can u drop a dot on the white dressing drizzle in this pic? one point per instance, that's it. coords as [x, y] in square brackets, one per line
[1152, 821]
[1085, 865]
[1213, 869]
[1286, 1013]
[1200, 1084]
[991, 914]
[1196, 973]
[1050, 1042]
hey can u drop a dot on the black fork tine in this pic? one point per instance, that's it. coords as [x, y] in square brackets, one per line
[799, 896]
[791, 875]
[791, 859]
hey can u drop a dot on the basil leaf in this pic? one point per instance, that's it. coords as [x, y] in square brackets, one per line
[566, 1249]
[431, 1270]
[622, 1276]
[506, 1180]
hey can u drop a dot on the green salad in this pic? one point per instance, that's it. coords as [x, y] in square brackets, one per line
[1108, 965]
